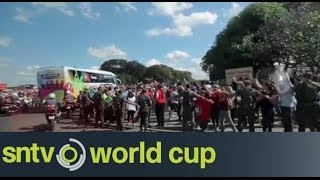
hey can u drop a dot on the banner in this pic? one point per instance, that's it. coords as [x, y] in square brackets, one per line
[238, 72]
[159, 154]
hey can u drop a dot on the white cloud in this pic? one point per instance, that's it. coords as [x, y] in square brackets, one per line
[235, 9]
[152, 62]
[169, 8]
[106, 53]
[5, 41]
[182, 25]
[4, 61]
[24, 73]
[95, 67]
[24, 15]
[33, 68]
[86, 10]
[171, 31]
[30, 71]
[193, 66]
[60, 6]
[128, 6]
[196, 60]
[187, 63]
[177, 55]
[194, 19]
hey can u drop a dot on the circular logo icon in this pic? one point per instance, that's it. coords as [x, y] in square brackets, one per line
[76, 161]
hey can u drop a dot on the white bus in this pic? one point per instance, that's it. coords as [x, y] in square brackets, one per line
[58, 80]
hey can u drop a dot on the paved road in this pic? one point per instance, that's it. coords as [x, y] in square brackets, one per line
[37, 123]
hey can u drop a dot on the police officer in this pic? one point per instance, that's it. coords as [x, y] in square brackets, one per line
[117, 103]
[187, 106]
[53, 101]
[247, 105]
[108, 114]
[98, 106]
[144, 103]
[307, 113]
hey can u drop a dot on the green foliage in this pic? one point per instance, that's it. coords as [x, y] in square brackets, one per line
[232, 46]
[265, 33]
[133, 72]
[292, 39]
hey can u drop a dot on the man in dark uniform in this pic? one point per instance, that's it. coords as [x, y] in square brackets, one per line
[247, 105]
[307, 108]
[187, 107]
[117, 103]
[98, 106]
[86, 102]
[180, 89]
[144, 103]
[108, 114]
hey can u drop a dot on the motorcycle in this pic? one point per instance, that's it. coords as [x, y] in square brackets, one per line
[24, 104]
[52, 116]
[9, 107]
[69, 107]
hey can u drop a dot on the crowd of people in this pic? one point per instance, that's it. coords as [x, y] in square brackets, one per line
[19, 97]
[238, 105]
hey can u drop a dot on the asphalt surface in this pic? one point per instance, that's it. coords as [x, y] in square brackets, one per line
[36, 122]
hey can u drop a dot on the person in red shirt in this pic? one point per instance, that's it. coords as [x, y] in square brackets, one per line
[224, 110]
[204, 104]
[215, 107]
[160, 104]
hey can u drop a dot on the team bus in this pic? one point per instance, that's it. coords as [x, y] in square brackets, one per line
[58, 80]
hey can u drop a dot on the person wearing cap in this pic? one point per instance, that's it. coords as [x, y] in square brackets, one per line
[144, 103]
[307, 113]
[69, 97]
[98, 107]
[108, 112]
[187, 102]
[51, 100]
[87, 103]
[117, 104]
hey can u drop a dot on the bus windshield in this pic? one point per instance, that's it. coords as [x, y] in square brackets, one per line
[106, 79]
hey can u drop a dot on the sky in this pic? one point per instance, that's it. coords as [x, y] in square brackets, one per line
[85, 34]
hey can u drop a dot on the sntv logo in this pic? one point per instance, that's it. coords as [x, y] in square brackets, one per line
[41, 154]
[65, 162]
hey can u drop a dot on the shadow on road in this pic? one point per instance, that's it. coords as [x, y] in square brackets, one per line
[37, 128]
[72, 127]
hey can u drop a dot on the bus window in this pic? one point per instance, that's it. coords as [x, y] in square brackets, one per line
[107, 79]
[76, 74]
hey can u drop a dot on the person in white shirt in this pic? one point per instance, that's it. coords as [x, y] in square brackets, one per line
[131, 107]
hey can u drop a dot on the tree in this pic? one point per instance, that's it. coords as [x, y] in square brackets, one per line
[293, 39]
[232, 47]
[131, 72]
[165, 73]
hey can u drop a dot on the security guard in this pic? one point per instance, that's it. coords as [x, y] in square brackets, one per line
[307, 108]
